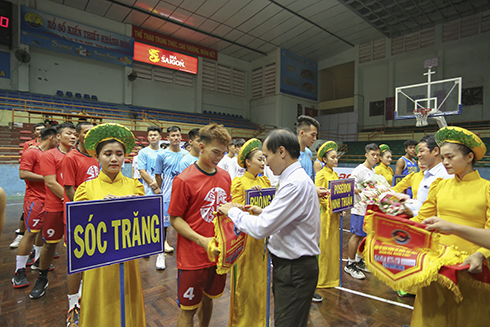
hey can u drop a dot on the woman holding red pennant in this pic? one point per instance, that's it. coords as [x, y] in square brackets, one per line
[248, 303]
[464, 199]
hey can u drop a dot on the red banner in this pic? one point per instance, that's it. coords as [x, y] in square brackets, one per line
[143, 35]
[231, 243]
[165, 58]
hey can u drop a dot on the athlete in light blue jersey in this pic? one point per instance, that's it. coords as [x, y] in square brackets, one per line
[307, 131]
[193, 155]
[147, 158]
[166, 169]
[406, 164]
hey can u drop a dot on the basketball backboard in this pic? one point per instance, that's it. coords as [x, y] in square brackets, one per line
[442, 97]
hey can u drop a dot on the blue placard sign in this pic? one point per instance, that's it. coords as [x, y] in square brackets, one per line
[397, 179]
[4, 64]
[260, 198]
[342, 194]
[55, 33]
[105, 232]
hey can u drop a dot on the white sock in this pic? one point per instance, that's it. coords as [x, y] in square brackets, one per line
[350, 261]
[358, 258]
[72, 300]
[20, 262]
[37, 250]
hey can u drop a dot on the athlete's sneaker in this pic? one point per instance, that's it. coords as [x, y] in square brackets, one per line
[354, 271]
[317, 298]
[403, 294]
[35, 266]
[39, 289]
[17, 231]
[30, 258]
[168, 248]
[56, 255]
[362, 266]
[16, 242]
[73, 317]
[20, 279]
[161, 261]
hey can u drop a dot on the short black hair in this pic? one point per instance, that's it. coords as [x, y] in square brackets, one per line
[173, 129]
[154, 128]
[371, 147]
[408, 143]
[239, 142]
[99, 146]
[306, 121]
[282, 137]
[38, 125]
[47, 132]
[193, 133]
[430, 140]
[186, 144]
[81, 124]
[61, 127]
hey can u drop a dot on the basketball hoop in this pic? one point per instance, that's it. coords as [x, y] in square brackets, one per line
[421, 115]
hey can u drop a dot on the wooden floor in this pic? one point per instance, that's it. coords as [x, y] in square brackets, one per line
[339, 307]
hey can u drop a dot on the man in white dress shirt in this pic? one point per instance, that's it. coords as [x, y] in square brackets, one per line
[292, 221]
[429, 155]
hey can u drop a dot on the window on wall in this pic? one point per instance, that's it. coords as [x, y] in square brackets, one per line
[376, 108]
[264, 81]
[223, 79]
[472, 96]
[160, 74]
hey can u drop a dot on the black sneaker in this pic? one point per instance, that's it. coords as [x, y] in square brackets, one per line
[73, 317]
[362, 266]
[30, 258]
[354, 271]
[20, 279]
[317, 298]
[35, 266]
[39, 289]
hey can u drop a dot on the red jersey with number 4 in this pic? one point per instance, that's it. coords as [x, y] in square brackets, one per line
[195, 196]
[30, 161]
[51, 165]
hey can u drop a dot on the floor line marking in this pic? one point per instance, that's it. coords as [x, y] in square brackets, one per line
[14, 204]
[406, 306]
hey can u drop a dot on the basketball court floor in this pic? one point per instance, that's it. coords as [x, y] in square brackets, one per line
[357, 303]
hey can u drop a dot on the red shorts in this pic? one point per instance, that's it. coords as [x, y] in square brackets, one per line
[34, 214]
[53, 227]
[191, 285]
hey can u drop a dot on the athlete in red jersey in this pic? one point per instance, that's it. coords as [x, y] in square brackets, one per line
[77, 167]
[30, 171]
[53, 227]
[196, 194]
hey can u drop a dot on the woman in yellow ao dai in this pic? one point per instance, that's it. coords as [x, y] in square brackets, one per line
[100, 303]
[248, 300]
[328, 260]
[384, 168]
[465, 200]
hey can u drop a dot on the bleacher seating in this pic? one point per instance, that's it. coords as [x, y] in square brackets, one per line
[70, 104]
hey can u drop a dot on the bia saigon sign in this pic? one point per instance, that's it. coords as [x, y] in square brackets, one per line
[165, 58]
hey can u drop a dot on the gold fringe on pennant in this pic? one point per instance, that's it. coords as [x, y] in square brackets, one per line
[450, 285]
[473, 282]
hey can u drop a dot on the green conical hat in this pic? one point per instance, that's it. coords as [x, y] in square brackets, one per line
[327, 146]
[458, 135]
[383, 148]
[106, 132]
[249, 146]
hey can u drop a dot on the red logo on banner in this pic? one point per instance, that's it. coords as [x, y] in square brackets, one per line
[165, 58]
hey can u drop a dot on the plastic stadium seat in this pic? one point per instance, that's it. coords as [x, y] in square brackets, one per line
[132, 154]
[25, 132]
[59, 92]
[86, 96]
[94, 97]
[127, 160]
[205, 112]
[21, 151]
[69, 94]
[78, 95]
[24, 138]
[141, 137]
[145, 143]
